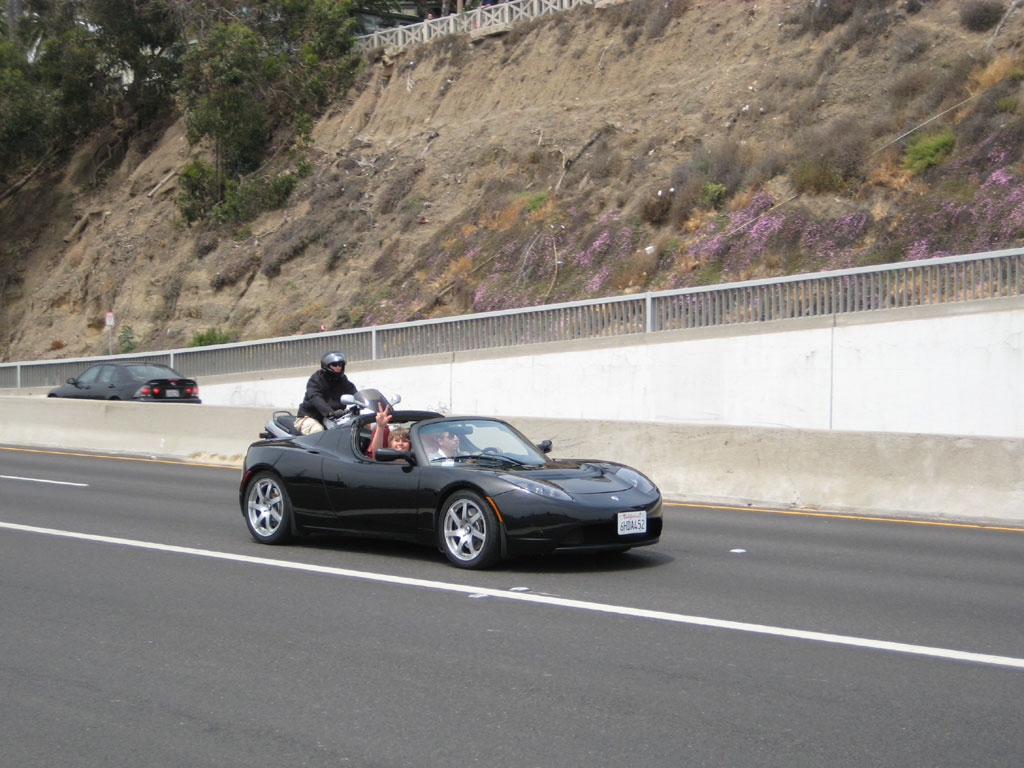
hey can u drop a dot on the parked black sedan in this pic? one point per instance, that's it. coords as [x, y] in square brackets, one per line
[474, 487]
[130, 381]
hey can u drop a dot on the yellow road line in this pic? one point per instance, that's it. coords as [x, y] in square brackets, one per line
[813, 513]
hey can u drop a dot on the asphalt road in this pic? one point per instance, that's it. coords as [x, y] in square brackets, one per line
[143, 627]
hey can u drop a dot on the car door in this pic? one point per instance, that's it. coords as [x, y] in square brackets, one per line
[86, 386]
[106, 386]
[372, 497]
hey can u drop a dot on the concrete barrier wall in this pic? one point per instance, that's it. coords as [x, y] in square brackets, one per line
[974, 479]
[948, 369]
[216, 434]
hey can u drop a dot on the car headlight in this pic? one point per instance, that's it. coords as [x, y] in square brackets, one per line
[635, 479]
[541, 489]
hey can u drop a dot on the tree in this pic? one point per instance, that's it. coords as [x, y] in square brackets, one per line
[223, 86]
[143, 43]
[25, 111]
[245, 80]
[71, 67]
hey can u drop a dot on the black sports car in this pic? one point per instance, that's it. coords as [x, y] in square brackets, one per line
[473, 486]
[130, 381]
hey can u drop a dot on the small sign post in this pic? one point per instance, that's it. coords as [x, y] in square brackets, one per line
[110, 331]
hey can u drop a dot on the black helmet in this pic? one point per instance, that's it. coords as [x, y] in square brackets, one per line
[332, 358]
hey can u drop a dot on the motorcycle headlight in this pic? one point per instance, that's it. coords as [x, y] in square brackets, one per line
[635, 479]
[541, 489]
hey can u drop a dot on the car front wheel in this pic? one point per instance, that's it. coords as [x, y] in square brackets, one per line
[268, 510]
[469, 531]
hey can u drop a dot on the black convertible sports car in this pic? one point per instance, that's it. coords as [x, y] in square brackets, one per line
[473, 486]
[130, 381]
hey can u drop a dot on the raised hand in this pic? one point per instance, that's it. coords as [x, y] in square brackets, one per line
[383, 415]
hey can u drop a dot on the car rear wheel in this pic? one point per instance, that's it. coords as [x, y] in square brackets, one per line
[268, 510]
[469, 531]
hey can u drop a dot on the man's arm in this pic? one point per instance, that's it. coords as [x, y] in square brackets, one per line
[315, 396]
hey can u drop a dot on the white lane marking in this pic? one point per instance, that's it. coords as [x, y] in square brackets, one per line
[41, 480]
[641, 613]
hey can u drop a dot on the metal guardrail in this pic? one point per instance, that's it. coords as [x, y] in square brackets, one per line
[906, 284]
[493, 18]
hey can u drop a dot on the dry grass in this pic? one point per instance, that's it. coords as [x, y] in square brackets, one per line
[233, 269]
[698, 220]
[888, 173]
[505, 218]
[981, 15]
[910, 84]
[830, 157]
[949, 84]
[991, 73]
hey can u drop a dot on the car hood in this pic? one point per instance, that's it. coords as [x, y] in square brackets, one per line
[578, 477]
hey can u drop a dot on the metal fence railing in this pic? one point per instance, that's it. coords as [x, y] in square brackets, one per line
[906, 284]
[479, 20]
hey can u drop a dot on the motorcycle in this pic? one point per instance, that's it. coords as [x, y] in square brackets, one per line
[282, 423]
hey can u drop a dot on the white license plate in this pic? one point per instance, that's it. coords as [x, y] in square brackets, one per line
[632, 522]
[172, 393]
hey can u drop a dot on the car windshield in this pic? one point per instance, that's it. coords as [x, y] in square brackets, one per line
[478, 441]
[139, 372]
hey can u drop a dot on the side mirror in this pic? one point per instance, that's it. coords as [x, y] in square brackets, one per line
[391, 454]
[72, 380]
[349, 400]
[544, 447]
[396, 399]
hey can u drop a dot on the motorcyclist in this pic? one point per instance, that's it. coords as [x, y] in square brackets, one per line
[323, 393]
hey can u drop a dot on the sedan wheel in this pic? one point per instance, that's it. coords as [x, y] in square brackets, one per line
[268, 511]
[469, 531]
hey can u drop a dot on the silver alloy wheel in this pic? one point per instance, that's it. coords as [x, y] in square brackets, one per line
[464, 529]
[265, 507]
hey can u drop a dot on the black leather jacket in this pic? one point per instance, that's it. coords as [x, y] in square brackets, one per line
[323, 394]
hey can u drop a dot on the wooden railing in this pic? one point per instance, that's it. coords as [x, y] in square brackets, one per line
[495, 18]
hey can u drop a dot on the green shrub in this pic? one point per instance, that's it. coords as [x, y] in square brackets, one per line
[712, 194]
[536, 201]
[245, 200]
[1006, 104]
[209, 336]
[126, 340]
[197, 190]
[928, 149]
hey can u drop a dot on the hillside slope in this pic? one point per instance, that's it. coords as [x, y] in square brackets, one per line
[588, 153]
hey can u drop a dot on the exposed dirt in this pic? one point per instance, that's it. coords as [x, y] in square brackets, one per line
[591, 107]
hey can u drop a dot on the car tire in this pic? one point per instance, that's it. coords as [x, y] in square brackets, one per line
[468, 531]
[268, 510]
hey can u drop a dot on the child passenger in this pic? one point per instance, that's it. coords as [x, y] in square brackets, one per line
[397, 438]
